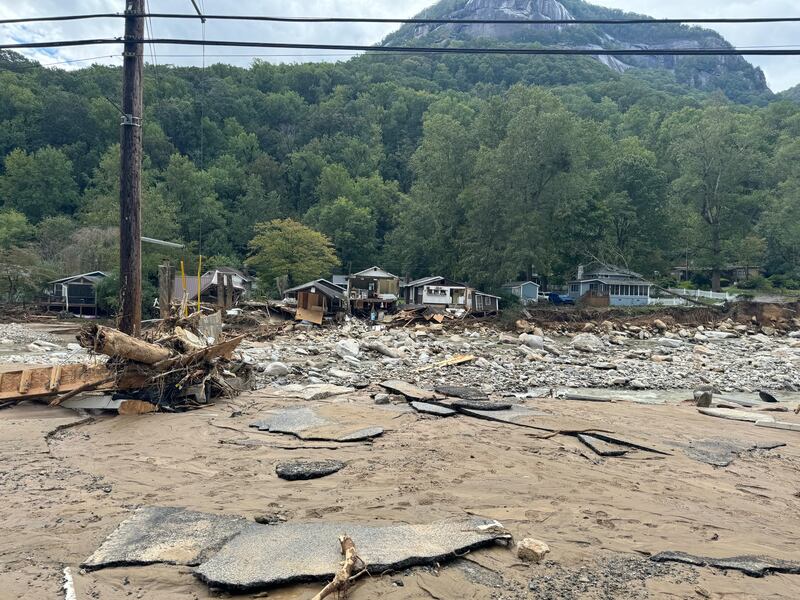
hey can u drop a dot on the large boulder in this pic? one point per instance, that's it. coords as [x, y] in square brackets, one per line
[587, 342]
[347, 348]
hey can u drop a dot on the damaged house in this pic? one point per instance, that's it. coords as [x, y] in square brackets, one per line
[212, 286]
[373, 288]
[316, 300]
[440, 292]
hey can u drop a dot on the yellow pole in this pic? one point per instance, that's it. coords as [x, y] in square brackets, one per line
[199, 271]
[184, 304]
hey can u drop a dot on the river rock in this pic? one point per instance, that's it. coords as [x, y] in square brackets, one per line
[532, 550]
[347, 348]
[587, 342]
[276, 369]
[301, 469]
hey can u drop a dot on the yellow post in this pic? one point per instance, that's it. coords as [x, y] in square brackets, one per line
[184, 303]
[199, 271]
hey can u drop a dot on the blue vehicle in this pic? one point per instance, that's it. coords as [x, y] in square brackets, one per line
[561, 299]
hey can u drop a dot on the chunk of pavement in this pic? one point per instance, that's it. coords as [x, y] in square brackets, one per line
[432, 409]
[501, 416]
[722, 452]
[361, 435]
[601, 447]
[483, 405]
[348, 347]
[735, 415]
[316, 391]
[587, 342]
[766, 396]
[532, 550]
[408, 390]
[754, 566]
[299, 470]
[778, 425]
[276, 369]
[264, 557]
[703, 398]
[165, 535]
[291, 420]
[459, 391]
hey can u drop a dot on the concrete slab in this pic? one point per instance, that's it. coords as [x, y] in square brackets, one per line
[165, 535]
[779, 425]
[293, 420]
[601, 447]
[263, 557]
[483, 405]
[408, 390]
[754, 566]
[465, 393]
[316, 391]
[515, 413]
[735, 415]
[307, 424]
[432, 409]
[722, 452]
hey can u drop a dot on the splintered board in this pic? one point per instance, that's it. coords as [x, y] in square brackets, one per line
[39, 382]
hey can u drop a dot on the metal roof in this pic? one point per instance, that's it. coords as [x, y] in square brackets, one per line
[614, 281]
[325, 286]
[375, 272]
[512, 284]
[93, 275]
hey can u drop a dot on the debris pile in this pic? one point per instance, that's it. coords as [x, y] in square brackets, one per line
[183, 366]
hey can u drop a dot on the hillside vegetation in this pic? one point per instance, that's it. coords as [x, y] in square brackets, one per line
[476, 167]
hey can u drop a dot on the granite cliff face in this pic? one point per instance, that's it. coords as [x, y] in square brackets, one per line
[706, 73]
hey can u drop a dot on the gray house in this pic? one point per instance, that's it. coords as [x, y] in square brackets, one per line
[606, 285]
[526, 291]
[76, 293]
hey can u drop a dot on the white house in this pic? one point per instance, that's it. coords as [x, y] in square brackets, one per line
[605, 285]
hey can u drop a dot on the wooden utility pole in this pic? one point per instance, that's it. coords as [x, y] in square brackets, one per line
[130, 184]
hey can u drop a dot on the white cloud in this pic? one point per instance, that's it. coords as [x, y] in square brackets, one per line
[782, 72]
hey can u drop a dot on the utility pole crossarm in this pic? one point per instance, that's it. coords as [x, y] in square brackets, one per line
[130, 189]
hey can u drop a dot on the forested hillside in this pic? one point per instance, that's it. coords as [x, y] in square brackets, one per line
[476, 167]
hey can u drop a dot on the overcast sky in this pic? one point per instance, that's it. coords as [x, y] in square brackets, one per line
[782, 72]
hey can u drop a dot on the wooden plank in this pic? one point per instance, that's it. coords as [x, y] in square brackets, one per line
[55, 378]
[24, 382]
[311, 315]
[39, 380]
[456, 360]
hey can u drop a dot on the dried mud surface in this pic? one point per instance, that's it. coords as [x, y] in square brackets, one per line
[67, 482]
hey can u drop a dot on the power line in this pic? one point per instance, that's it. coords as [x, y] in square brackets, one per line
[727, 51]
[417, 21]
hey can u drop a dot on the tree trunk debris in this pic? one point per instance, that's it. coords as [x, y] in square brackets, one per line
[342, 579]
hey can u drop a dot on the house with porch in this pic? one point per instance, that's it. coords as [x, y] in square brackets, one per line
[440, 292]
[607, 285]
[373, 288]
[76, 293]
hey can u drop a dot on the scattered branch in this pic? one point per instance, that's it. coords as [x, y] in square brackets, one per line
[343, 576]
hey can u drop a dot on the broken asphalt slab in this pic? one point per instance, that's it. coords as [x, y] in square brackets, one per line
[165, 535]
[754, 566]
[300, 470]
[721, 452]
[307, 424]
[483, 405]
[315, 391]
[735, 415]
[432, 409]
[408, 390]
[465, 393]
[268, 556]
[601, 447]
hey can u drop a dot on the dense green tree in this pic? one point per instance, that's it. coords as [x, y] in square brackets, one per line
[39, 184]
[286, 248]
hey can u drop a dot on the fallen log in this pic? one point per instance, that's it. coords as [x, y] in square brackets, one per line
[342, 578]
[114, 343]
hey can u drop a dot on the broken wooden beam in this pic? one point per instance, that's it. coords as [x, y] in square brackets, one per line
[114, 343]
[40, 381]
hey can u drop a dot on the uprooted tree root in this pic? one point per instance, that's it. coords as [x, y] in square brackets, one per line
[344, 576]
